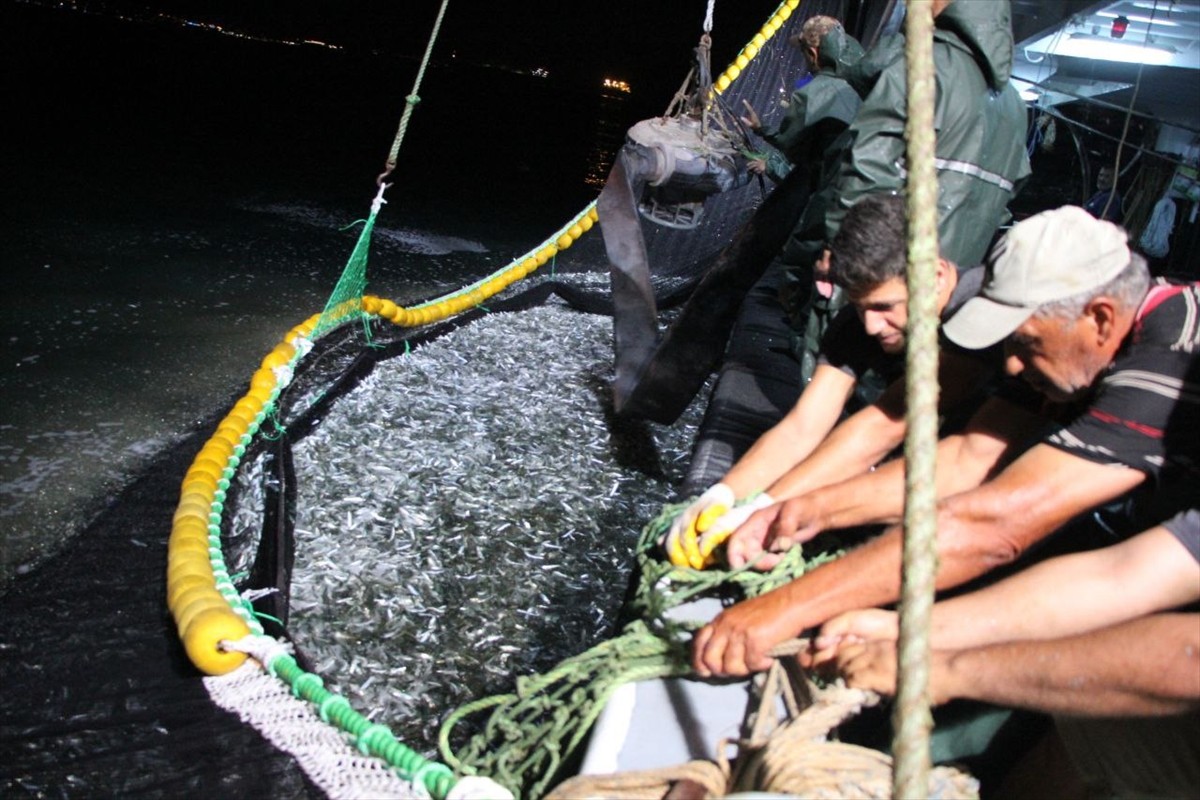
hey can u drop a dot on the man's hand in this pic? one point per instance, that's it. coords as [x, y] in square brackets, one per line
[738, 640]
[714, 534]
[681, 543]
[750, 119]
[756, 166]
[822, 269]
[749, 542]
[851, 628]
[869, 665]
[872, 666]
[770, 533]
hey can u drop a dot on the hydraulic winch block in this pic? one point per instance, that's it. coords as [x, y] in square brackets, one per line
[682, 166]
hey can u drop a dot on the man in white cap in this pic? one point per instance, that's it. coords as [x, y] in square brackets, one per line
[1082, 322]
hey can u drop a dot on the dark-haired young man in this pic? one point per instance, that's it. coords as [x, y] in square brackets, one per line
[805, 450]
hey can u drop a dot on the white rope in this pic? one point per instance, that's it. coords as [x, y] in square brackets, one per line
[708, 17]
[263, 649]
[250, 595]
[293, 726]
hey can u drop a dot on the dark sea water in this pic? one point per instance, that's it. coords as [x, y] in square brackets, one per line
[174, 201]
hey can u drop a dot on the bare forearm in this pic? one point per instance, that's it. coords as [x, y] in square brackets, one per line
[1145, 667]
[1073, 594]
[796, 436]
[867, 576]
[877, 497]
[866, 438]
[773, 455]
[850, 450]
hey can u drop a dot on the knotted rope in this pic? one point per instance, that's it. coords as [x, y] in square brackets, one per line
[793, 757]
[413, 98]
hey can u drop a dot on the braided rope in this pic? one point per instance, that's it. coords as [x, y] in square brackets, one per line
[912, 720]
[796, 759]
[410, 102]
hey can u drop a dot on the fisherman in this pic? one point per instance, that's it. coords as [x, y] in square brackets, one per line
[980, 118]
[981, 156]
[808, 137]
[1083, 324]
[981, 164]
[869, 263]
[814, 135]
[821, 106]
[1079, 637]
[1106, 203]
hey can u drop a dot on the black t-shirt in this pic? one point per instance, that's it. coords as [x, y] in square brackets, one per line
[1185, 526]
[848, 347]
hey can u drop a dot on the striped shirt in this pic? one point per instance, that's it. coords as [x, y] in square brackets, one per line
[1146, 410]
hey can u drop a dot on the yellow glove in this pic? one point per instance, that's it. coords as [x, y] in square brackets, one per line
[681, 544]
[716, 532]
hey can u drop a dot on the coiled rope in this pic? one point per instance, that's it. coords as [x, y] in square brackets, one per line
[794, 757]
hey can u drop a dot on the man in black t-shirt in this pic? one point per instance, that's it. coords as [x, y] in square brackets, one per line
[804, 450]
[1080, 321]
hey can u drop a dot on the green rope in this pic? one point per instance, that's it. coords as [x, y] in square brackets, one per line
[346, 301]
[530, 734]
[412, 99]
[911, 717]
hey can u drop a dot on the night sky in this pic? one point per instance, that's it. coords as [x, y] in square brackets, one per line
[647, 42]
[168, 80]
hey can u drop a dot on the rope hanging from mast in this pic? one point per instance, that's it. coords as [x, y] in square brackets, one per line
[911, 718]
[410, 101]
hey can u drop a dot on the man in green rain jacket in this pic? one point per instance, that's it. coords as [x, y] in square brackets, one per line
[813, 133]
[981, 156]
[979, 120]
[821, 107]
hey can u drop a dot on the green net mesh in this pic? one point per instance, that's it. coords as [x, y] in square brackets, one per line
[532, 733]
[345, 303]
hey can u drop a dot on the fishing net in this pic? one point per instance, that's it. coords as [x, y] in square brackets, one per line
[532, 734]
[345, 302]
[240, 527]
[272, 483]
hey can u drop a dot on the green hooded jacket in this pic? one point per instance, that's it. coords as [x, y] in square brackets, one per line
[979, 118]
[818, 112]
[813, 134]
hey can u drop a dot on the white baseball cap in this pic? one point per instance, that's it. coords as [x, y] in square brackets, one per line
[1048, 257]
